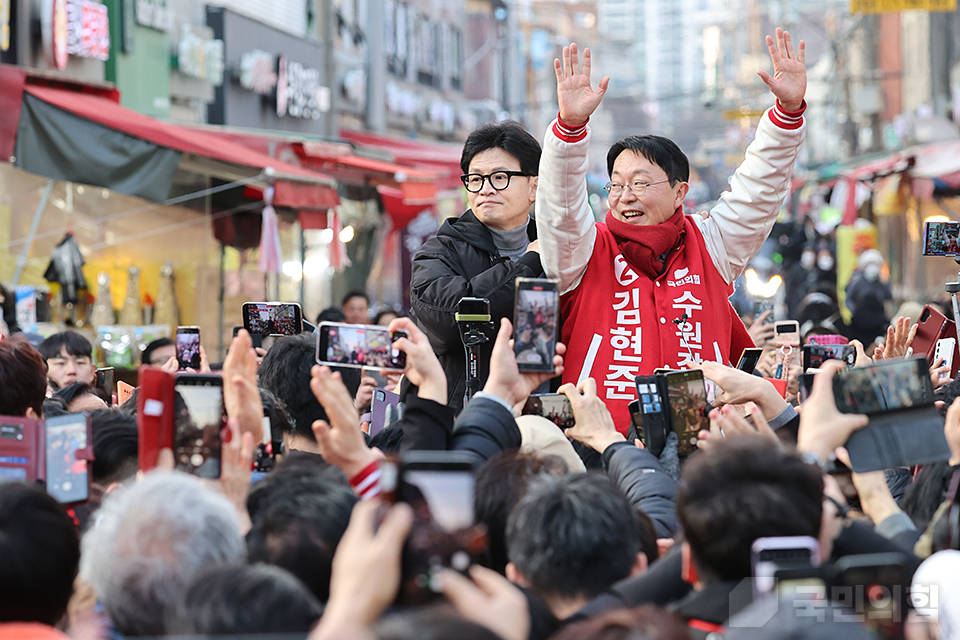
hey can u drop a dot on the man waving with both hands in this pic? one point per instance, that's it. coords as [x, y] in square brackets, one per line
[648, 287]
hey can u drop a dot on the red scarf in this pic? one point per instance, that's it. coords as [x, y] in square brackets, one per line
[646, 247]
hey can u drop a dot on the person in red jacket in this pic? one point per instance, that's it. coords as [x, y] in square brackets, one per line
[648, 287]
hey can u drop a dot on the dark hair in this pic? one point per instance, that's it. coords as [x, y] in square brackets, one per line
[299, 515]
[114, 445]
[285, 371]
[244, 599]
[573, 536]
[389, 439]
[431, 623]
[508, 135]
[75, 390]
[274, 407]
[130, 404]
[39, 555]
[74, 344]
[646, 622]
[331, 314]
[355, 293]
[54, 407]
[925, 495]
[500, 483]
[386, 311]
[153, 346]
[660, 151]
[10, 309]
[747, 488]
[23, 378]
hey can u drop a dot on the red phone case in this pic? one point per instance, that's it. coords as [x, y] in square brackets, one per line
[154, 415]
[933, 326]
[25, 450]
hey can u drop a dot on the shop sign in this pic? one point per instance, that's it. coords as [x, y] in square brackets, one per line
[200, 57]
[299, 92]
[402, 101]
[895, 6]
[154, 14]
[88, 31]
[257, 72]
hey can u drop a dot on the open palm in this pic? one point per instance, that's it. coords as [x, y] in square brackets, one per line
[789, 80]
[578, 100]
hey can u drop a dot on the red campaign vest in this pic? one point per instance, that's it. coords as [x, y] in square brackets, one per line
[623, 321]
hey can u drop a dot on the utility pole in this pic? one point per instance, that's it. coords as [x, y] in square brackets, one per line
[328, 33]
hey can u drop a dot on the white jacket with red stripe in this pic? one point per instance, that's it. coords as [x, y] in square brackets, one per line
[606, 339]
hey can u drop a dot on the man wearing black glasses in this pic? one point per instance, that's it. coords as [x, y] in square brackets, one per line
[481, 253]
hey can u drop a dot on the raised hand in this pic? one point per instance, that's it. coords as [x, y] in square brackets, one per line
[505, 380]
[789, 80]
[339, 437]
[241, 396]
[423, 369]
[577, 98]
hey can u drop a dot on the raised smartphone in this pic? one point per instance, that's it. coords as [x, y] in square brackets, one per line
[69, 440]
[941, 239]
[535, 320]
[555, 407]
[687, 397]
[787, 332]
[749, 359]
[767, 555]
[272, 318]
[198, 420]
[188, 348]
[361, 346]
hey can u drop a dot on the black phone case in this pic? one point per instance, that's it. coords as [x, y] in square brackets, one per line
[899, 439]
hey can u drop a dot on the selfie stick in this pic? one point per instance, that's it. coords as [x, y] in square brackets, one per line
[470, 332]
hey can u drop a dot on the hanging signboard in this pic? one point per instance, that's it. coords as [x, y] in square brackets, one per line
[88, 30]
[895, 6]
[299, 92]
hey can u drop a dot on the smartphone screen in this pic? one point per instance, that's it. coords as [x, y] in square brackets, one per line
[749, 359]
[555, 407]
[883, 580]
[535, 323]
[814, 355]
[198, 421]
[688, 407]
[444, 496]
[359, 345]
[67, 477]
[941, 239]
[272, 318]
[885, 386]
[188, 348]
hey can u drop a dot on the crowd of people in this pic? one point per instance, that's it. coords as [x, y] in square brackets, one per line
[577, 532]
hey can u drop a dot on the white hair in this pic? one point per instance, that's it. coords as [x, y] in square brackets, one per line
[150, 540]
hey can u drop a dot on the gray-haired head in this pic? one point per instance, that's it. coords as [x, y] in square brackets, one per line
[149, 542]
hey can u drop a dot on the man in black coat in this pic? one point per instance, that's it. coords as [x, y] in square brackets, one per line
[481, 253]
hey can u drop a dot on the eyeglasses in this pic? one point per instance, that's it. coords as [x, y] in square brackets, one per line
[638, 188]
[499, 180]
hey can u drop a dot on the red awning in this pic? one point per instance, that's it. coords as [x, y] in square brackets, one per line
[295, 186]
[444, 159]
[418, 187]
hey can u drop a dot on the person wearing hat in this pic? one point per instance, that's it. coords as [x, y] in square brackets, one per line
[867, 299]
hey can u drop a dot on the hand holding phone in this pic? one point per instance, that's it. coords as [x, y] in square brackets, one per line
[439, 486]
[536, 313]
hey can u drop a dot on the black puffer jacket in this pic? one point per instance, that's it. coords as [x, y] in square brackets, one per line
[460, 262]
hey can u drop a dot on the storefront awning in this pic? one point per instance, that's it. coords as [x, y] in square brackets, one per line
[88, 137]
[444, 159]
